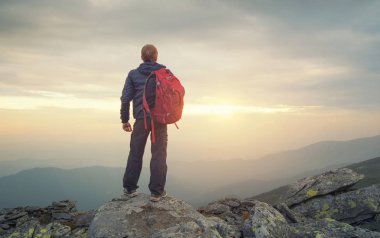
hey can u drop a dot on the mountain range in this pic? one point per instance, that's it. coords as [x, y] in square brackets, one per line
[196, 182]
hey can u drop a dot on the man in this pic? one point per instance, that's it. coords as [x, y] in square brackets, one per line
[133, 90]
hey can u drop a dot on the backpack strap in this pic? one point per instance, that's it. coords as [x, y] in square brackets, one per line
[146, 109]
[145, 106]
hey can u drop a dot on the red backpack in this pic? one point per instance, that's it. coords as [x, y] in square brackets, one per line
[169, 100]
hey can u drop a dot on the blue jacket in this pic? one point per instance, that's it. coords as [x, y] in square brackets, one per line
[134, 90]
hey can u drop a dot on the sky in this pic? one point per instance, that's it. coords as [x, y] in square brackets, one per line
[260, 76]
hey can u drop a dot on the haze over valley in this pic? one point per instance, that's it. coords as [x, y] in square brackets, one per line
[196, 182]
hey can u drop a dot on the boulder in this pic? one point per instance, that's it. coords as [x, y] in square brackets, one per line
[350, 207]
[331, 181]
[326, 228]
[266, 222]
[231, 210]
[138, 217]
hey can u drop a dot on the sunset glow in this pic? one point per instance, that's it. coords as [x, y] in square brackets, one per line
[259, 76]
[227, 110]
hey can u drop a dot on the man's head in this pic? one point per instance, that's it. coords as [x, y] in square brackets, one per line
[149, 53]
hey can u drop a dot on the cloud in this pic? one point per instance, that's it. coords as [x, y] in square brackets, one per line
[230, 109]
[118, 22]
[255, 52]
[56, 101]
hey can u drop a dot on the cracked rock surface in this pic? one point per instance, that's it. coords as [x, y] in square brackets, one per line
[326, 183]
[350, 207]
[138, 217]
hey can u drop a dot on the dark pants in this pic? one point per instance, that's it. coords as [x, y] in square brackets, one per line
[158, 167]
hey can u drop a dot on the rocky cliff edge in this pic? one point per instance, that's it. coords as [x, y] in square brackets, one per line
[320, 206]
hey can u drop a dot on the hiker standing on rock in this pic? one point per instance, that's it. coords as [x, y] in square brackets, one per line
[141, 86]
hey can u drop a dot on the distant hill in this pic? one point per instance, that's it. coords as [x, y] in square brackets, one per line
[369, 168]
[279, 165]
[244, 178]
[317, 156]
[89, 186]
[92, 186]
[287, 164]
[9, 167]
[197, 182]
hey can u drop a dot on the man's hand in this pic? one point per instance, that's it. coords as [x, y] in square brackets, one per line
[127, 127]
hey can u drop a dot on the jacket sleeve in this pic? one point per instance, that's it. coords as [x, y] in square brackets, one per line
[126, 97]
[150, 93]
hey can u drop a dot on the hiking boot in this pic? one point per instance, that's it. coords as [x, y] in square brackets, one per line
[156, 198]
[130, 194]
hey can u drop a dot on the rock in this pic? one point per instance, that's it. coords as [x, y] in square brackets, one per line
[22, 220]
[190, 229]
[44, 222]
[57, 229]
[84, 220]
[41, 231]
[266, 222]
[233, 203]
[248, 203]
[138, 217]
[4, 226]
[216, 208]
[225, 229]
[79, 233]
[231, 210]
[350, 207]
[15, 216]
[231, 217]
[371, 224]
[289, 215]
[326, 228]
[307, 188]
[33, 209]
[65, 206]
[62, 216]
[25, 230]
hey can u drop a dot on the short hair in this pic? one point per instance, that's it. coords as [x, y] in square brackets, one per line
[149, 53]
